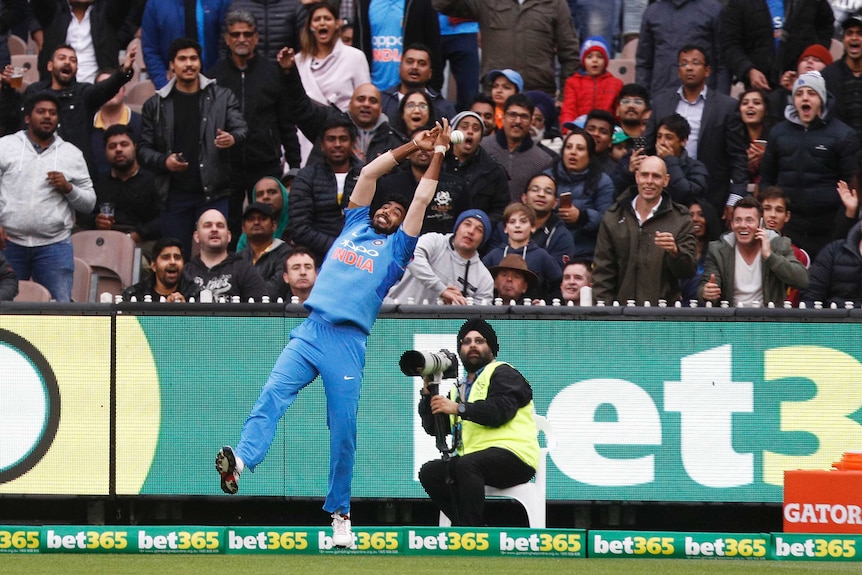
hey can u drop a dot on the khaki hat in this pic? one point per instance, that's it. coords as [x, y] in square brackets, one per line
[515, 262]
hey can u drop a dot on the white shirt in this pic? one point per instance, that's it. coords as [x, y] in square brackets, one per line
[79, 37]
[748, 280]
[693, 112]
[649, 215]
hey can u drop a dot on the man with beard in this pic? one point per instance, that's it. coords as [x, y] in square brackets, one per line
[633, 107]
[490, 415]
[415, 73]
[321, 191]
[167, 280]
[215, 269]
[130, 188]
[368, 258]
[264, 251]
[43, 180]
[79, 101]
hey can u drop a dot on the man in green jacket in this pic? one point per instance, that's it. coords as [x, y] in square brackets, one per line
[750, 265]
[646, 242]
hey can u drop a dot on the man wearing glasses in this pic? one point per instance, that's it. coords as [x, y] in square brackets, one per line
[254, 81]
[632, 110]
[717, 136]
[415, 72]
[513, 147]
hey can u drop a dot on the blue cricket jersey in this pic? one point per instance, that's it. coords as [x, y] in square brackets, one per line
[358, 271]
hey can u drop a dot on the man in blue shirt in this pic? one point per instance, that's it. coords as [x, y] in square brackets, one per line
[369, 256]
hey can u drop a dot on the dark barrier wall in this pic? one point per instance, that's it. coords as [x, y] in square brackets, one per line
[650, 405]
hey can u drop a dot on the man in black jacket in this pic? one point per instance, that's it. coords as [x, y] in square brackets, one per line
[167, 279]
[749, 31]
[254, 81]
[187, 131]
[217, 270]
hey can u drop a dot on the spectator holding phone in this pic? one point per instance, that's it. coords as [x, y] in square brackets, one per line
[756, 117]
[584, 189]
[750, 265]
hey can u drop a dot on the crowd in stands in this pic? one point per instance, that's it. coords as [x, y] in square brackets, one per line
[722, 169]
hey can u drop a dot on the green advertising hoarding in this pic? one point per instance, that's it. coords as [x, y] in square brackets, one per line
[643, 410]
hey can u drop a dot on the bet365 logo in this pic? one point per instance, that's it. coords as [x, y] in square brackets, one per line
[29, 406]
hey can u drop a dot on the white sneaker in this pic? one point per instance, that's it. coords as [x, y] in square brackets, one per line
[342, 536]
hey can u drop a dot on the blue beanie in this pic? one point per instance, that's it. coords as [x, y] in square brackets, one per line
[479, 215]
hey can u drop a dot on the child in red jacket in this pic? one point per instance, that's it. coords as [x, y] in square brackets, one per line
[592, 87]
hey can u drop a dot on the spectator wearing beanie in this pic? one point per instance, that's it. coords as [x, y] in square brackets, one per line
[592, 86]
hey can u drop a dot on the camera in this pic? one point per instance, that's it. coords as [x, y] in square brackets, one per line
[440, 364]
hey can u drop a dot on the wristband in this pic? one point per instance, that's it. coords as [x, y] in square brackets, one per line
[414, 142]
[440, 149]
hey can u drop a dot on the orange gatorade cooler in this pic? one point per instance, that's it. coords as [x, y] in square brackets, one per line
[818, 501]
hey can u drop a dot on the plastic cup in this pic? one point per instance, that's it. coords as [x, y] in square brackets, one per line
[17, 79]
[107, 209]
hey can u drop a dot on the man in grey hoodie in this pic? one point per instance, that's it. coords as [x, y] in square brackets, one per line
[43, 180]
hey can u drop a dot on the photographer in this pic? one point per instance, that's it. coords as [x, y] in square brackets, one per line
[491, 417]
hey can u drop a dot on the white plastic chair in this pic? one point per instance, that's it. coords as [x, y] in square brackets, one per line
[531, 494]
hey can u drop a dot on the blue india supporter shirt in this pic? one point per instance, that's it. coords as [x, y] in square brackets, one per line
[358, 271]
[386, 18]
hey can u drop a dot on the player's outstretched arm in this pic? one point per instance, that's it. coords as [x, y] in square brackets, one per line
[428, 184]
[363, 192]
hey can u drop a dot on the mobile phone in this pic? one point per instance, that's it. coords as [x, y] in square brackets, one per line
[639, 143]
[565, 199]
[760, 142]
[181, 157]
[762, 224]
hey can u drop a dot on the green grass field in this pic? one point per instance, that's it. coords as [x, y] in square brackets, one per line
[365, 565]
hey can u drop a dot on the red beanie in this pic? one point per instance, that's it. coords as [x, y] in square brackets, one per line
[818, 52]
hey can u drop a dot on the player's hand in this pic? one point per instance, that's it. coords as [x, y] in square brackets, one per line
[286, 59]
[711, 290]
[59, 182]
[667, 242]
[104, 222]
[765, 245]
[224, 139]
[452, 296]
[441, 404]
[849, 198]
[428, 139]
